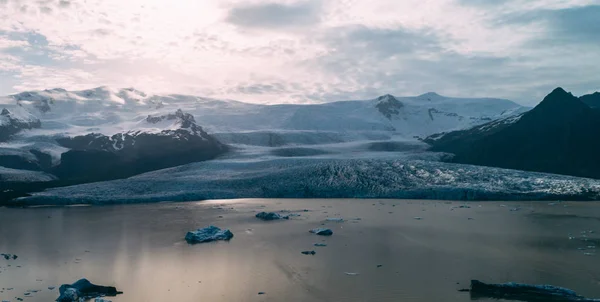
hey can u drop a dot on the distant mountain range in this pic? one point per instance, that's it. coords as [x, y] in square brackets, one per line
[560, 135]
[57, 137]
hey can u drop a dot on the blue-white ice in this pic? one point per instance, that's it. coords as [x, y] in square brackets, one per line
[325, 178]
[208, 234]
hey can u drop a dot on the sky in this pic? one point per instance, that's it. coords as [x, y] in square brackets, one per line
[306, 51]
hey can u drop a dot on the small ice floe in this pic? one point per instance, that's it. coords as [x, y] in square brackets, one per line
[84, 290]
[335, 219]
[418, 218]
[525, 292]
[322, 231]
[308, 252]
[9, 256]
[268, 216]
[351, 274]
[464, 206]
[208, 234]
[590, 254]
[261, 293]
[101, 300]
[515, 209]
[51, 287]
[552, 204]
[320, 244]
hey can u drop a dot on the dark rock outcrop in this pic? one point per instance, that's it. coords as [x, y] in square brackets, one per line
[389, 106]
[561, 135]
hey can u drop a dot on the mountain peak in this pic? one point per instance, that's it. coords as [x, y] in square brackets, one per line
[559, 104]
[559, 97]
[559, 91]
[430, 96]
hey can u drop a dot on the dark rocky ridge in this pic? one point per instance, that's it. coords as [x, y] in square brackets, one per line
[592, 100]
[388, 105]
[561, 135]
[95, 157]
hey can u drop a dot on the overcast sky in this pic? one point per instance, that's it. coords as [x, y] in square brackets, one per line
[287, 51]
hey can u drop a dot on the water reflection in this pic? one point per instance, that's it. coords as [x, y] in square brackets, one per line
[140, 250]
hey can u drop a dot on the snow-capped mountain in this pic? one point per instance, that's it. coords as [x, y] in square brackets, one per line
[111, 111]
[15, 120]
[560, 135]
[104, 133]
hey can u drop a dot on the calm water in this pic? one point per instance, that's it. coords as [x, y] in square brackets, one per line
[140, 250]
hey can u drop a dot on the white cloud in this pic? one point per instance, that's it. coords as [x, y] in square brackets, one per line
[8, 43]
[288, 50]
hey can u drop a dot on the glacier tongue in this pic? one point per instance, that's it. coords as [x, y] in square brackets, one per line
[325, 178]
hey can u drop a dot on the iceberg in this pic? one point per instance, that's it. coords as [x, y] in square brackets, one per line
[208, 234]
[84, 290]
[267, 216]
[322, 232]
[525, 292]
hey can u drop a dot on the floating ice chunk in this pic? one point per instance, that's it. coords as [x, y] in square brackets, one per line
[351, 274]
[84, 290]
[208, 234]
[267, 216]
[322, 231]
[525, 292]
[101, 300]
[308, 252]
[335, 219]
[9, 256]
[418, 218]
[320, 244]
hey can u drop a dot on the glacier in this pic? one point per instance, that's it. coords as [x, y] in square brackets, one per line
[384, 177]
[347, 149]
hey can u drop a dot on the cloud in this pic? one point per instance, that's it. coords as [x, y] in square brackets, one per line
[566, 25]
[275, 15]
[6, 43]
[302, 50]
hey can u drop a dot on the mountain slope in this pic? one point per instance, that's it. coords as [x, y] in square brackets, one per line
[561, 135]
[592, 100]
[13, 121]
[94, 157]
